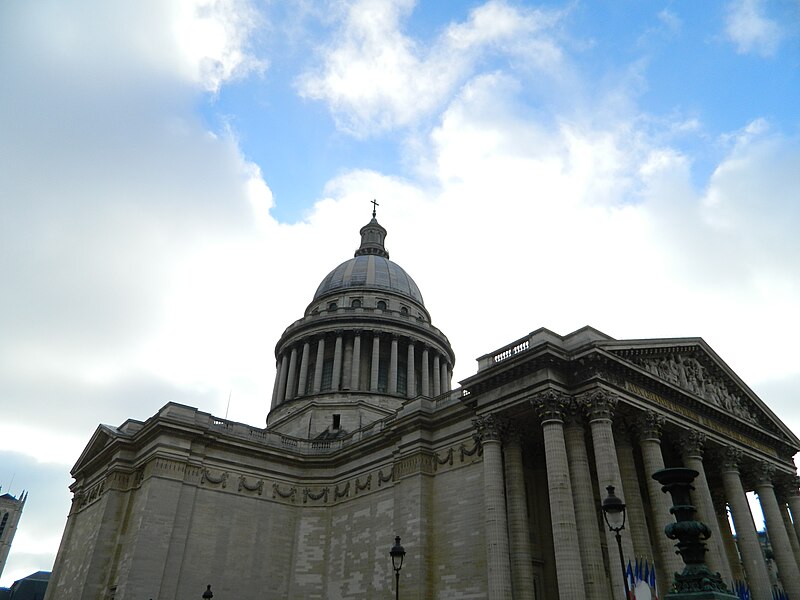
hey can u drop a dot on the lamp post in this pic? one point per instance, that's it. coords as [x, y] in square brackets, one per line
[614, 514]
[691, 536]
[208, 593]
[397, 553]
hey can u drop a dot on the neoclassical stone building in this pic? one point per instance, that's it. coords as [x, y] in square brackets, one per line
[494, 486]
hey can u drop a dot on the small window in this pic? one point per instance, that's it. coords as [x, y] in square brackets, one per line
[404, 311]
[332, 306]
[381, 305]
[356, 303]
[337, 422]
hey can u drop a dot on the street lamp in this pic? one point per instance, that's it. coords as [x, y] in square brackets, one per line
[614, 514]
[208, 593]
[397, 553]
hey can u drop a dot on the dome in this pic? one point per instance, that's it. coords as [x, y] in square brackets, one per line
[370, 269]
[364, 346]
[373, 272]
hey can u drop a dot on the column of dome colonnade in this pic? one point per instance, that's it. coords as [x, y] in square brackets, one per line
[691, 444]
[550, 407]
[595, 580]
[599, 405]
[747, 539]
[489, 430]
[776, 530]
[301, 365]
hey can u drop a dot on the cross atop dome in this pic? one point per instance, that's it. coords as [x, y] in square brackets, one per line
[374, 206]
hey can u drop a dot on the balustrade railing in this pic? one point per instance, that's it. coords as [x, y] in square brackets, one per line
[504, 353]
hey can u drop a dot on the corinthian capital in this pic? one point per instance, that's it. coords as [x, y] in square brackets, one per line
[764, 473]
[732, 459]
[599, 404]
[550, 405]
[574, 414]
[786, 487]
[489, 428]
[793, 486]
[624, 431]
[692, 443]
[514, 434]
[649, 425]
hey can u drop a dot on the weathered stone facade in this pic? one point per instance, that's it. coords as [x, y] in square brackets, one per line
[494, 487]
[10, 514]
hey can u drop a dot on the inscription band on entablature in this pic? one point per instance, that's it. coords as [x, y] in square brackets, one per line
[698, 418]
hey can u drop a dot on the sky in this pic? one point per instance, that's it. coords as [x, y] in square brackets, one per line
[177, 177]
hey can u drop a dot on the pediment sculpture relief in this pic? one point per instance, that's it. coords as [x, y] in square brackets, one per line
[689, 374]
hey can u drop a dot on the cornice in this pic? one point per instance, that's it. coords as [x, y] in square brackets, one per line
[599, 363]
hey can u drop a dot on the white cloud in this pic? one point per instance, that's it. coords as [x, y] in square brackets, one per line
[376, 78]
[113, 190]
[748, 27]
[670, 20]
[212, 38]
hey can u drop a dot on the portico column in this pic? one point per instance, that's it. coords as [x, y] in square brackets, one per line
[650, 424]
[437, 378]
[595, 580]
[753, 558]
[393, 366]
[776, 531]
[489, 429]
[691, 446]
[787, 521]
[291, 380]
[426, 376]
[728, 543]
[376, 354]
[636, 517]
[550, 407]
[793, 497]
[355, 375]
[600, 406]
[518, 525]
[411, 390]
[319, 364]
[337, 363]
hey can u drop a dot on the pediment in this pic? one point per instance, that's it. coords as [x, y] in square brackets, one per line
[102, 437]
[692, 366]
